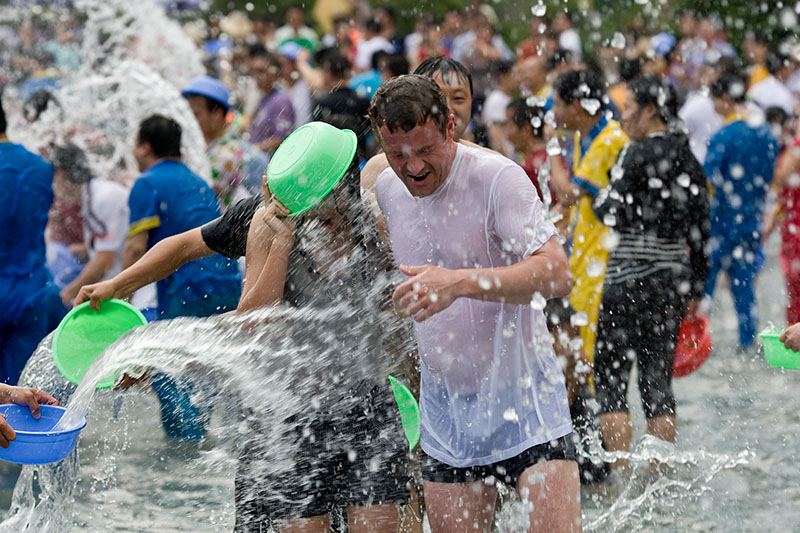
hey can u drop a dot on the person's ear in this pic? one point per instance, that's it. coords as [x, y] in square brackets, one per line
[451, 126]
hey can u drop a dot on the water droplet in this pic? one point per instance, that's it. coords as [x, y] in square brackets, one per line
[684, 180]
[579, 319]
[538, 301]
[618, 41]
[511, 415]
[591, 105]
[737, 171]
[553, 148]
[655, 183]
[609, 219]
[595, 269]
[434, 297]
[484, 283]
[539, 10]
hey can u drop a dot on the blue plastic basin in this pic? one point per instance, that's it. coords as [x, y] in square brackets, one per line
[36, 443]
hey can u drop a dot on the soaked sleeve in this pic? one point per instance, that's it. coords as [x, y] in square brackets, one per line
[517, 217]
[611, 201]
[700, 226]
[143, 203]
[227, 235]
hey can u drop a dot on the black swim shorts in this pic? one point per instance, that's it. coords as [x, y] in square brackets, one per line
[507, 471]
[354, 458]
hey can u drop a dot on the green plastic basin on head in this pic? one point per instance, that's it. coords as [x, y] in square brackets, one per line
[409, 411]
[84, 333]
[309, 164]
[776, 353]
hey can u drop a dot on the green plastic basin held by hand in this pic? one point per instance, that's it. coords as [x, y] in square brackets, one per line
[309, 164]
[409, 411]
[776, 353]
[84, 333]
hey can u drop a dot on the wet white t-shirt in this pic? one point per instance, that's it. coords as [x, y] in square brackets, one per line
[104, 209]
[491, 386]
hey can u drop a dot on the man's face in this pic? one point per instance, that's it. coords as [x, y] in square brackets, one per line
[459, 99]
[264, 73]
[421, 157]
[632, 118]
[562, 112]
[209, 122]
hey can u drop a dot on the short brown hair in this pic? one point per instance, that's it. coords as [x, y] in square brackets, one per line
[408, 101]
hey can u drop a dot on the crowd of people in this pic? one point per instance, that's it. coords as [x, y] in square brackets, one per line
[554, 213]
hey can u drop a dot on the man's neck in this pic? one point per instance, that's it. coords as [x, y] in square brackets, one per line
[589, 123]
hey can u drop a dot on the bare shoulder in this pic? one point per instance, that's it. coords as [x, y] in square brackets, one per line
[471, 144]
[369, 175]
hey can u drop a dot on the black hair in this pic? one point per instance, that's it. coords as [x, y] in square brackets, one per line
[562, 56]
[258, 50]
[650, 89]
[373, 25]
[447, 67]
[3, 123]
[337, 65]
[503, 66]
[776, 60]
[212, 105]
[730, 84]
[525, 115]
[578, 85]
[162, 134]
[629, 69]
[397, 65]
[37, 103]
[776, 115]
[377, 57]
[72, 160]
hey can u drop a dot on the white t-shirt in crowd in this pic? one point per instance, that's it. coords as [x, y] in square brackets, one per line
[105, 213]
[494, 108]
[490, 384]
[701, 121]
[368, 47]
[770, 92]
[570, 40]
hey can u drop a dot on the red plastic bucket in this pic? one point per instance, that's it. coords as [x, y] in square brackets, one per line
[694, 345]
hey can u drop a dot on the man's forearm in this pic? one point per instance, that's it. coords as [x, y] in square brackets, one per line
[546, 272]
[161, 260]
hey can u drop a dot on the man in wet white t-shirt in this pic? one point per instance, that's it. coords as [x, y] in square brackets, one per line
[467, 227]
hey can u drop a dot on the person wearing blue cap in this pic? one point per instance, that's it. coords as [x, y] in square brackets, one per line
[29, 298]
[235, 163]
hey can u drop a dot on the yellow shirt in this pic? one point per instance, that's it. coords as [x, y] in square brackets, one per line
[589, 253]
[759, 73]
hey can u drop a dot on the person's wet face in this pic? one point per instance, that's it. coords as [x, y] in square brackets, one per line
[632, 118]
[421, 157]
[264, 73]
[563, 117]
[459, 99]
[210, 122]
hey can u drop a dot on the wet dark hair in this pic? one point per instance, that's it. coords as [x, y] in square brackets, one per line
[162, 134]
[503, 67]
[579, 84]
[377, 57]
[72, 160]
[730, 84]
[524, 116]
[629, 69]
[776, 60]
[407, 101]
[561, 56]
[37, 103]
[650, 89]
[776, 115]
[337, 65]
[447, 67]
[211, 104]
[397, 65]
[260, 51]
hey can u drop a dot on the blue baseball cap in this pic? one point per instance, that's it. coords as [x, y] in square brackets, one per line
[662, 43]
[209, 87]
[289, 49]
